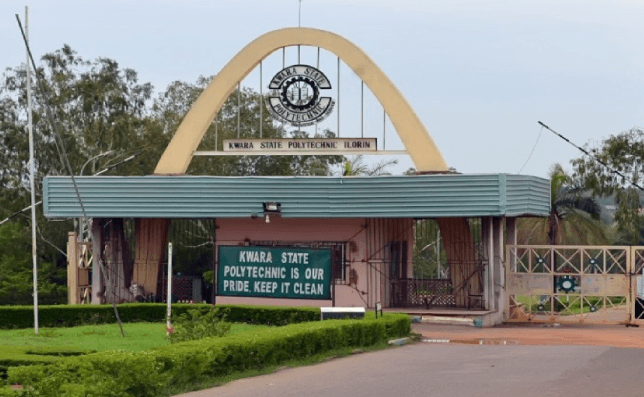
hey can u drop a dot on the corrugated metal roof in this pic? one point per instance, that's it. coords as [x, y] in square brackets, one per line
[418, 196]
[527, 193]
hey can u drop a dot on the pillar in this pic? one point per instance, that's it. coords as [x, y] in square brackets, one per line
[487, 245]
[511, 238]
[72, 269]
[98, 284]
[498, 267]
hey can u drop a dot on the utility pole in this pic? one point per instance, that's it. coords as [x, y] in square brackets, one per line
[32, 167]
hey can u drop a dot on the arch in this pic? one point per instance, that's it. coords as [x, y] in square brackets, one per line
[420, 146]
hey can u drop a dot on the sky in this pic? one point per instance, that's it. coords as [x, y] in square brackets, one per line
[479, 74]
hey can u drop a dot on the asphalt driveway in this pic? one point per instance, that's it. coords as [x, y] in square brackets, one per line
[452, 370]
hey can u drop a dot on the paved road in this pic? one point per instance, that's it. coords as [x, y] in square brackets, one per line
[453, 370]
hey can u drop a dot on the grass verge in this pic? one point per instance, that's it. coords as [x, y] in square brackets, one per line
[139, 336]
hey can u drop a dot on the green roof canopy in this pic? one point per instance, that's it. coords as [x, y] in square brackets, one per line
[418, 196]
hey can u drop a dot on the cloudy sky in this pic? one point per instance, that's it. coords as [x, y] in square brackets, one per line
[480, 74]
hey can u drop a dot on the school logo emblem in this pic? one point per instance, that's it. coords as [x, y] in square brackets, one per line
[296, 96]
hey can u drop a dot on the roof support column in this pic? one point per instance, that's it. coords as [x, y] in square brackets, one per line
[499, 271]
[511, 238]
[98, 283]
[487, 239]
[72, 269]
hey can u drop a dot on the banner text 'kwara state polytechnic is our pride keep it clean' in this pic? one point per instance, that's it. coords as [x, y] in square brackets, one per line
[274, 272]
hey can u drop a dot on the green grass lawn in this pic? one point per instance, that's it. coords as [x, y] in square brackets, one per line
[24, 347]
[139, 336]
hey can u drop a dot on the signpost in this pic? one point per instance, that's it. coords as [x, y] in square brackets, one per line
[274, 272]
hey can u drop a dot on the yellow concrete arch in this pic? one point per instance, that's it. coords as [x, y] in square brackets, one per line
[419, 144]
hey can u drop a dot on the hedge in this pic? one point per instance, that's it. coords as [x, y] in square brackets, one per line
[13, 356]
[152, 372]
[267, 315]
[74, 315]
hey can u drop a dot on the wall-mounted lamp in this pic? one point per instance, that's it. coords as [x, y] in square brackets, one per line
[271, 208]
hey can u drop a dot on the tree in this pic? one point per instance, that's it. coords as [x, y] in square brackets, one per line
[98, 109]
[573, 218]
[629, 222]
[16, 278]
[104, 116]
[356, 167]
[624, 153]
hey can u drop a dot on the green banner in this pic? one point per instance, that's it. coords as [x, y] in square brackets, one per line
[274, 272]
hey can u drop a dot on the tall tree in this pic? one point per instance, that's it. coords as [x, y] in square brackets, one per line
[104, 116]
[623, 152]
[573, 218]
[99, 110]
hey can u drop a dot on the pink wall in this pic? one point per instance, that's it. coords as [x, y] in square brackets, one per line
[236, 231]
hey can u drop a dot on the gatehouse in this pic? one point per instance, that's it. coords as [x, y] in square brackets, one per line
[433, 240]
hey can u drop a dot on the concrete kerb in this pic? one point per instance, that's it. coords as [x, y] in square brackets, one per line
[531, 334]
[491, 319]
[400, 341]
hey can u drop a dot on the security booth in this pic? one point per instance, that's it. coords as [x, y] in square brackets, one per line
[313, 241]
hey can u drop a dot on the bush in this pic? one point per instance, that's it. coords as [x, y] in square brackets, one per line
[195, 325]
[151, 373]
[13, 356]
[74, 315]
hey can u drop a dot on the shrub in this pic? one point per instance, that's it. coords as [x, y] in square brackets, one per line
[13, 356]
[267, 315]
[195, 325]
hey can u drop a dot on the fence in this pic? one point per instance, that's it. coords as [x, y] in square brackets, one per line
[575, 284]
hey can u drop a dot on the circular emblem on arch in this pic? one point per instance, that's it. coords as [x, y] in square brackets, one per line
[296, 96]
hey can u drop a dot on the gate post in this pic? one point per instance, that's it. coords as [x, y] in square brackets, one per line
[509, 263]
[98, 281]
[487, 238]
[631, 298]
[72, 269]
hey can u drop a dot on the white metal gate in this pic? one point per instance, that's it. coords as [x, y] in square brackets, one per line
[575, 284]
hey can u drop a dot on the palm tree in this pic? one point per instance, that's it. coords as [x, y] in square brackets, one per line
[573, 218]
[356, 166]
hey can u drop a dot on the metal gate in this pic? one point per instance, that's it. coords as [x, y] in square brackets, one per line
[575, 284]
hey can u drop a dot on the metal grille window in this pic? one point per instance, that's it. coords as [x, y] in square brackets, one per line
[338, 253]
